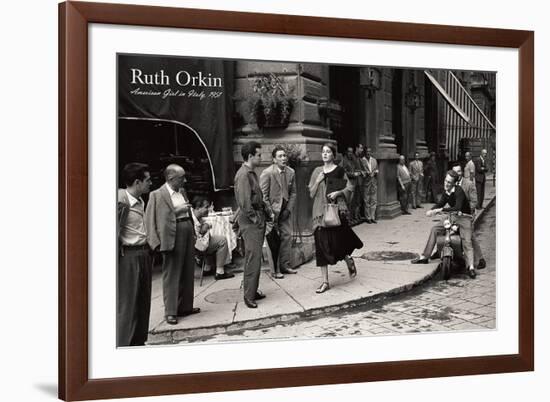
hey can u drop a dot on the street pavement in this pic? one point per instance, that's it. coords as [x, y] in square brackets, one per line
[384, 276]
[458, 304]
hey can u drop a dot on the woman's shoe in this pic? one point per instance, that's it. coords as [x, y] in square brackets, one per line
[351, 267]
[323, 288]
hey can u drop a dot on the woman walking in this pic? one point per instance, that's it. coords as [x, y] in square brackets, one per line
[329, 184]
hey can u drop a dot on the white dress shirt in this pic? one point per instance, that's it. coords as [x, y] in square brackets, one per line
[179, 202]
[132, 232]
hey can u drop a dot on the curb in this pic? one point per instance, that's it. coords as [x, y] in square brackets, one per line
[178, 335]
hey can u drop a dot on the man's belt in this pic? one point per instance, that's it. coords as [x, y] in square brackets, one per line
[178, 220]
[140, 247]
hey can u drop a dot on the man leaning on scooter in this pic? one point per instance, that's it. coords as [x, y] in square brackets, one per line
[455, 197]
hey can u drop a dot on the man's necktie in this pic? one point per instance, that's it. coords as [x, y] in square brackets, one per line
[284, 185]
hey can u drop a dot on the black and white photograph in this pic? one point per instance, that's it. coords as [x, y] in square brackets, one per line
[273, 200]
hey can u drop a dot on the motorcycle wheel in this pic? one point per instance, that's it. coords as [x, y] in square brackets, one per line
[446, 267]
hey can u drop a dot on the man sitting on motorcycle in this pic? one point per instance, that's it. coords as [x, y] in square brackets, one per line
[455, 197]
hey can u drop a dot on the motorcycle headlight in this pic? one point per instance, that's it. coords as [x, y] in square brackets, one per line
[447, 224]
[454, 228]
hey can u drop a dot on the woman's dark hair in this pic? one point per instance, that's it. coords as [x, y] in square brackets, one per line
[331, 147]
[249, 148]
[133, 171]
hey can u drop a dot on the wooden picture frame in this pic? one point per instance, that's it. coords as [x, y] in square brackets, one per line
[74, 381]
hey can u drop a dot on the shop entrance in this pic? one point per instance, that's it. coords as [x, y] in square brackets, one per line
[344, 88]
[159, 143]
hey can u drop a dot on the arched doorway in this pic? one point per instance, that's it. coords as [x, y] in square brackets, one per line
[159, 143]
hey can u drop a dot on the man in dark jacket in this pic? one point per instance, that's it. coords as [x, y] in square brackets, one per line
[457, 200]
[134, 261]
[352, 165]
[481, 168]
[251, 219]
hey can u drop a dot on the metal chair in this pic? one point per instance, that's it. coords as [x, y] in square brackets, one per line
[200, 259]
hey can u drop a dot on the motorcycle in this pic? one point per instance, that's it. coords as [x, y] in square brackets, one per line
[449, 245]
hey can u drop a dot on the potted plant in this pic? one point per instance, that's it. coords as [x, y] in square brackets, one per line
[270, 102]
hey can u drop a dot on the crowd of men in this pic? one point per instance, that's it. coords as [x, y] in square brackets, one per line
[172, 227]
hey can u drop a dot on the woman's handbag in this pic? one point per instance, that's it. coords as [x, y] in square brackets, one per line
[331, 217]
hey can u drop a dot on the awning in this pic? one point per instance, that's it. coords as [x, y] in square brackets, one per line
[190, 92]
[463, 117]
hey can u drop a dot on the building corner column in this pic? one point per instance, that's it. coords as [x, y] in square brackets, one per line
[386, 153]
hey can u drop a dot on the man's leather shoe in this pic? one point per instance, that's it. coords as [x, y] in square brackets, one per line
[171, 319]
[289, 271]
[277, 275]
[420, 260]
[406, 213]
[225, 275]
[195, 310]
[259, 296]
[368, 220]
[481, 264]
[249, 303]
[472, 273]
[373, 221]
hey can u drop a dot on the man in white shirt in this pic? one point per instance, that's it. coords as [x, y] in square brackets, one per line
[416, 169]
[213, 247]
[171, 231]
[370, 185]
[469, 168]
[134, 261]
[404, 185]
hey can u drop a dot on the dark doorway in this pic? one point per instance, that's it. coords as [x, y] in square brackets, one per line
[431, 117]
[344, 88]
[160, 143]
[397, 109]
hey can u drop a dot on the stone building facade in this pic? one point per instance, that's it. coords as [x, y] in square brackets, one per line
[392, 111]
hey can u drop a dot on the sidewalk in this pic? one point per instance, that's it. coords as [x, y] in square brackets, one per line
[383, 266]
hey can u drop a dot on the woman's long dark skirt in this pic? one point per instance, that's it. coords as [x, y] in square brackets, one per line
[333, 244]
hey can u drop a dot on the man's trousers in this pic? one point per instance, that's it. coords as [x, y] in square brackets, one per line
[253, 237]
[178, 272]
[480, 188]
[415, 193]
[465, 224]
[404, 196]
[217, 250]
[133, 297]
[370, 197]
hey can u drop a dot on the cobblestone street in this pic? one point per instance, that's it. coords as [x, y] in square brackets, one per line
[458, 304]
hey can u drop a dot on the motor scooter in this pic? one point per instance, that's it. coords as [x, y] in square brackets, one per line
[449, 244]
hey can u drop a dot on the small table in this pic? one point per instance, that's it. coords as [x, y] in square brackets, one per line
[221, 225]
